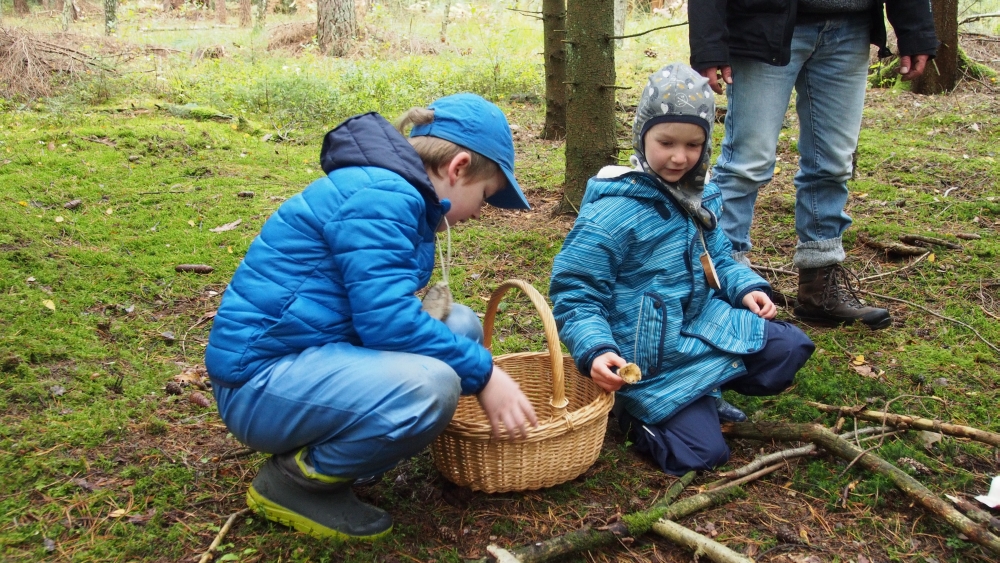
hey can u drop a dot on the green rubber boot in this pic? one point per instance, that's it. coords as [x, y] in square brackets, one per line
[288, 491]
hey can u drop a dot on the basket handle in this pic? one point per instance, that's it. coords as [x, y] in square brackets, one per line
[559, 401]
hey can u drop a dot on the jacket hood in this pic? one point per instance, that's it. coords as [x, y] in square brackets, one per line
[678, 94]
[369, 140]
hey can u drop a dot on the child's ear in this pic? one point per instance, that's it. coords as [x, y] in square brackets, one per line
[458, 166]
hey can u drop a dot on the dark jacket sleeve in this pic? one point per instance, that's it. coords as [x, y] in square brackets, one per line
[913, 23]
[708, 33]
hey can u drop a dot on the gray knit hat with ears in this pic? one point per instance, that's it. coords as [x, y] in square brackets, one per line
[678, 94]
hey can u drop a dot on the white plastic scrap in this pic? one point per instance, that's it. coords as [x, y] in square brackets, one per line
[992, 499]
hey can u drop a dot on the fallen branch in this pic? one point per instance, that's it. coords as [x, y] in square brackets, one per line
[631, 525]
[976, 513]
[909, 266]
[938, 315]
[207, 556]
[906, 421]
[897, 248]
[978, 17]
[843, 449]
[698, 543]
[917, 240]
[793, 453]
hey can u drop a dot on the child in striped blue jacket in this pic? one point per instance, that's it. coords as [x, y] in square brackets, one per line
[645, 276]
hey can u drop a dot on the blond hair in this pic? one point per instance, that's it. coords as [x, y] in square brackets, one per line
[436, 152]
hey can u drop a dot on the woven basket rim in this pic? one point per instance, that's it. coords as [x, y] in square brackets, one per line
[483, 432]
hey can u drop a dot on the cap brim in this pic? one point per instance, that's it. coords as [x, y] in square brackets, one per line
[510, 197]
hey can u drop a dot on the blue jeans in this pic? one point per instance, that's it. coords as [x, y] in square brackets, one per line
[359, 411]
[828, 69]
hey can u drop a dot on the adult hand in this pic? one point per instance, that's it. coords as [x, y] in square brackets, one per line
[506, 405]
[908, 72]
[600, 371]
[713, 73]
[760, 304]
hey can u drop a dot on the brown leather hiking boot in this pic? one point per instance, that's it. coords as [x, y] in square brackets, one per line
[827, 297]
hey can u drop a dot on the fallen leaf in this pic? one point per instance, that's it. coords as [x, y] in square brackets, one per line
[930, 257]
[858, 360]
[863, 370]
[804, 534]
[49, 544]
[59, 219]
[196, 376]
[49, 304]
[929, 438]
[57, 390]
[109, 211]
[117, 513]
[227, 226]
[191, 223]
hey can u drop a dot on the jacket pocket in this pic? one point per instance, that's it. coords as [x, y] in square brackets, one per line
[649, 334]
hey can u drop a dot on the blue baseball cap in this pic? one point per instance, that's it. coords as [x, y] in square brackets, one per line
[476, 124]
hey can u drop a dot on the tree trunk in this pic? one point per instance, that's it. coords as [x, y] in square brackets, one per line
[336, 26]
[590, 101]
[941, 75]
[110, 16]
[21, 7]
[245, 17]
[261, 13]
[554, 31]
[68, 14]
[621, 10]
[220, 11]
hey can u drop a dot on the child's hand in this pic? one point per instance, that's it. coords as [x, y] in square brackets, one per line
[600, 371]
[758, 302]
[505, 404]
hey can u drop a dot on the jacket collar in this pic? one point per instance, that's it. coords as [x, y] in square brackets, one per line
[369, 140]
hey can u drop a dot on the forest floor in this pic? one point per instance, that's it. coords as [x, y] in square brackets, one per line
[111, 450]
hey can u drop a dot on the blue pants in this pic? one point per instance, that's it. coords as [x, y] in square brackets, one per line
[829, 72]
[691, 438]
[359, 411]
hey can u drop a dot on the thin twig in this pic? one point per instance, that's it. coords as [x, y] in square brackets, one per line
[207, 556]
[610, 37]
[773, 270]
[899, 271]
[939, 315]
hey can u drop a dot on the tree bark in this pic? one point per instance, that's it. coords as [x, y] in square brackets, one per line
[336, 26]
[590, 101]
[843, 449]
[621, 11]
[245, 17]
[941, 75]
[21, 7]
[554, 31]
[220, 11]
[698, 543]
[110, 16]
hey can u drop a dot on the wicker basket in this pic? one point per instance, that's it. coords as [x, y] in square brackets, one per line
[572, 417]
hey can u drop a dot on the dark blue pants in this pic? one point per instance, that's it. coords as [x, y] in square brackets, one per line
[691, 439]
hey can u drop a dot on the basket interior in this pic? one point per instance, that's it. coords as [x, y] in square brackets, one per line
[533, 372]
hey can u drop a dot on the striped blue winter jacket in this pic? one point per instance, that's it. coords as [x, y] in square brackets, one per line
[629, 279]
[341, 262]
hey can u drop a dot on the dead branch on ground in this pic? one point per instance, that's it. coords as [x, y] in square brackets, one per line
[843, 449]
[906, 421]
[699, 544]
[210, 552]
[896, 248]
[918, 240]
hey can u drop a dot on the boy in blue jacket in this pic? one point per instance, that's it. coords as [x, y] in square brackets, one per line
[645, 276]
[321, 353]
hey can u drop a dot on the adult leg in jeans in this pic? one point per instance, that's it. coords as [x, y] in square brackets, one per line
[758, 99]
[830, 99]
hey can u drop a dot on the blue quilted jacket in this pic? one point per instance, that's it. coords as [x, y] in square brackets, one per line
[341, 262]
[628, 279]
